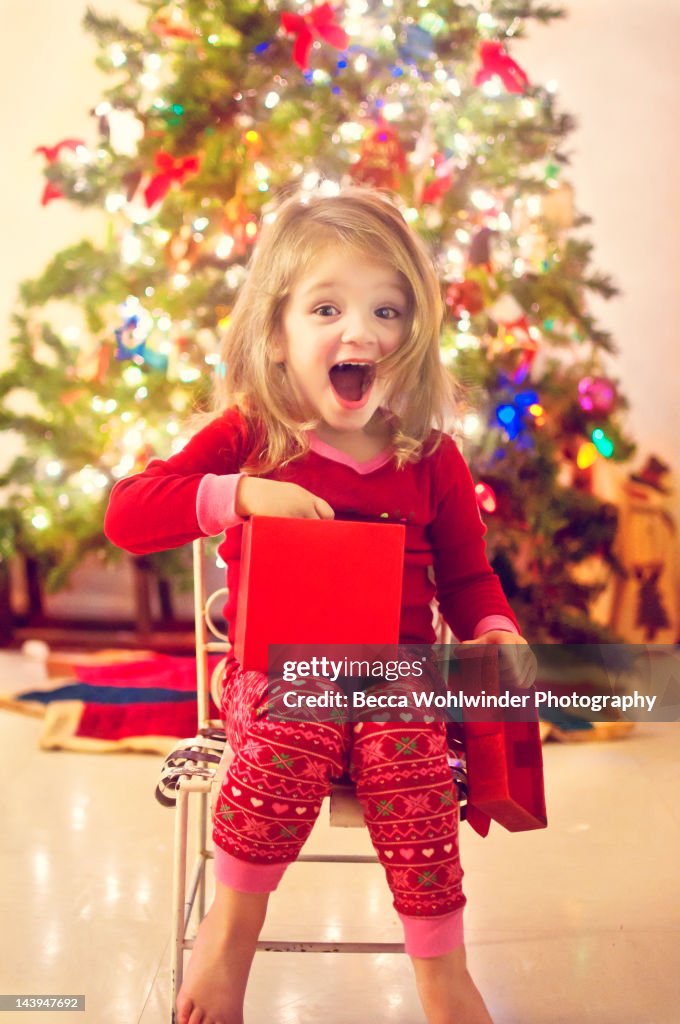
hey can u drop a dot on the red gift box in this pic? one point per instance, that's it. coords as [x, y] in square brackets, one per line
[504, 759]
[316, 581]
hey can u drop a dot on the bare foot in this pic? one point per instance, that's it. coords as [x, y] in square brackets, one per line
[214, 984]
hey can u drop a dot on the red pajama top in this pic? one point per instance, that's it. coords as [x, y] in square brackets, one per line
[191, 494]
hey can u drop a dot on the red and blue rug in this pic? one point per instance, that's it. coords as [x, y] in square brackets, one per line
[144, 703]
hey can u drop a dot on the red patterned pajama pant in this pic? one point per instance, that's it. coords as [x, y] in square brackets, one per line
[283, 769]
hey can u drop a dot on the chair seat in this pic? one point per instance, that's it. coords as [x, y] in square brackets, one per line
[208, 756]
[346, 810]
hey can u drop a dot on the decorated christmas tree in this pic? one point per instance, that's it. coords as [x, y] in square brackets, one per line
[217, 107]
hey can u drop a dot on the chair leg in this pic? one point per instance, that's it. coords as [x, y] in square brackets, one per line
[202, 853]
[178, 898]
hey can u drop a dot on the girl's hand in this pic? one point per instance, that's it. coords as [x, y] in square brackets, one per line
[258, 497]
[516, 661]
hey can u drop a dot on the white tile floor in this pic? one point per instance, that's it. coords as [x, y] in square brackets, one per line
[579, 924]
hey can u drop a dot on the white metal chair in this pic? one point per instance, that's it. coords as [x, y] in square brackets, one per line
[197, 768]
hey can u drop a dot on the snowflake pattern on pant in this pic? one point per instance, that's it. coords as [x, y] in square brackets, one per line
[282, 770]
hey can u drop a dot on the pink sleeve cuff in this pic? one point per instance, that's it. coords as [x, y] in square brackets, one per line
[494, 622]
[215, 502]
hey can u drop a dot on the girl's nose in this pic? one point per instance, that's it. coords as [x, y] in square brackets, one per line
[358, 327]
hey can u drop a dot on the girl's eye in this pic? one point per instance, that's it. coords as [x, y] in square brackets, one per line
[383, 313]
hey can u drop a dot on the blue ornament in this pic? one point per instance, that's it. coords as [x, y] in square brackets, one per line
[125, 335]
[417, 44]
[523, 399]
[128, 347]
[510, 419]
[155, 360]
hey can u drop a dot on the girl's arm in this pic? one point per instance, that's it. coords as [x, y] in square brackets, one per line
[468, 591]
[158, 508]
[200, 492]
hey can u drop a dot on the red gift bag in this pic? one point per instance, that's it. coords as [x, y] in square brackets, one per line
[317, 581]
[504, 759]
[505, 773]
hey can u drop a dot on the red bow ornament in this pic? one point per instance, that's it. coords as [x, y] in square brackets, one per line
[515, 332]
[169, 171]
[50, 192]
[320, 21]
[171, 23]
[465, 296]
[443, 180]
[497, 61]
[52, 154]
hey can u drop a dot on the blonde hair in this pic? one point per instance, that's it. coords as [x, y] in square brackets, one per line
[419, 392]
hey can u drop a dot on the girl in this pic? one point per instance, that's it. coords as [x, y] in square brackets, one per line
[334, 383]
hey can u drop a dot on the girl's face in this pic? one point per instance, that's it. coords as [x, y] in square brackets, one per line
[344, 314]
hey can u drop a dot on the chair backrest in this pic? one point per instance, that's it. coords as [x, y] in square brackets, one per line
[209, 638]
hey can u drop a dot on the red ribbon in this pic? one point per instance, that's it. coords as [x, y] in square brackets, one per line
[50, 192]
[319, 22]
[520, 330]
[166, 28]
[443, 180]
[497, 61]
[170, 170]
[51, 153]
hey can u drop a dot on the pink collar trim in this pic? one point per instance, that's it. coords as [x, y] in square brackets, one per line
[328, 452]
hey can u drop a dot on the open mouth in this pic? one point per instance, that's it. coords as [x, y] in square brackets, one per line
[351, 382]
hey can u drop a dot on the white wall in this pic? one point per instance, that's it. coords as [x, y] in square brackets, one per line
[49, 85]
[619, 75]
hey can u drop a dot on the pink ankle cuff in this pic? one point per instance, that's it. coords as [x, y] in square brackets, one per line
[432, 936]
[245, 877]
